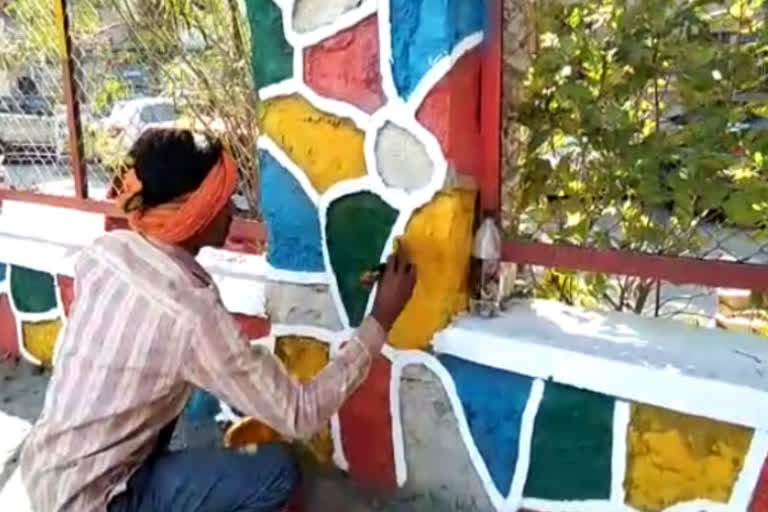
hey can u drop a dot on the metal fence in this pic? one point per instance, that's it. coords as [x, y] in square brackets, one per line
[614, 167]
[95, 74]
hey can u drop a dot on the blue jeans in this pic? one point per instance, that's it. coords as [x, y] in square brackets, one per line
[212, 480]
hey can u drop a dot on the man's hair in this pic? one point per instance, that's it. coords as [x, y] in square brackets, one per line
[171, 162]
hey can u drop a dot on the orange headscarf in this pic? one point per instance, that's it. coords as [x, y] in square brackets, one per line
[187, 216]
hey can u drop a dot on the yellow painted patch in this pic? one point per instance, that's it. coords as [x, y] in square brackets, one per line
[439, 239]
[304, 358]
[40, 339]
[329, 149]
[674, 458]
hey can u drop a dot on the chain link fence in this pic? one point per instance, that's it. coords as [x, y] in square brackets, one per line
[636, 126]
[33, 125]
[139, 64]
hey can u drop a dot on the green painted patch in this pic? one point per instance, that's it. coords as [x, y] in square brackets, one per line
[358, 227]
[3, 270]
[572, 445]
[33, 291]
[271, 54]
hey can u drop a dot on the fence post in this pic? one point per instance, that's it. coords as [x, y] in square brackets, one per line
[490, 184]
[74, 125]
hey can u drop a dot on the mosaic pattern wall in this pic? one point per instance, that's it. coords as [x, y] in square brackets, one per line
[363, 134]
[443, 427]
[33, 308]
[370, 110]
[370, 107]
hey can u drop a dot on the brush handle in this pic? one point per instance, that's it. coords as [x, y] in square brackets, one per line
[371, 277]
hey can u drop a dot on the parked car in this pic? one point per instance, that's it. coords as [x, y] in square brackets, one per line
[29, 128]
[113, 136]
[129, 119]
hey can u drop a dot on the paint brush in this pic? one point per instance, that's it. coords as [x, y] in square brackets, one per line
[371, 276]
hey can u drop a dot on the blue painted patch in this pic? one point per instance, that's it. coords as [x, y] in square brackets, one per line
[202, 407]
[3, 271]
[493, 401]
[423, 31]
[292, 220]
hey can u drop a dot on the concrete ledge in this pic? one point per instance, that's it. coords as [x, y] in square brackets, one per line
[699, 371]
[50, 239]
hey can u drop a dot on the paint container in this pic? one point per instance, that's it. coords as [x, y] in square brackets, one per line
[486, 283]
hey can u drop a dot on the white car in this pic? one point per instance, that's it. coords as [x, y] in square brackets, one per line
[128, 121]
[31, 131]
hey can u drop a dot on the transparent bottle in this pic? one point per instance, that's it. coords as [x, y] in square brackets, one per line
[486, 268]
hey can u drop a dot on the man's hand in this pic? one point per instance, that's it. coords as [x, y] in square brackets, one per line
[395, 289]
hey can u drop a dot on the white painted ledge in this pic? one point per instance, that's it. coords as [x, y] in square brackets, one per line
[50, 239]
[700, 371]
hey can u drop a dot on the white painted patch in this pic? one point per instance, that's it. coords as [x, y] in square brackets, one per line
[295, 277]
[39, 254]
[227, 414]
[50, 224]
[402, 161]
[745, 485]
[621, 417]
[527, 423]
[302, 39]
[407, 201]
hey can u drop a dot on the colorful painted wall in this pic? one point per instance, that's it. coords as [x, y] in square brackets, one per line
[516, 412]
[371, 109]
[370, 129]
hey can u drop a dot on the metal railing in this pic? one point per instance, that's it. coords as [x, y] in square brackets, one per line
[80, 80]
[601, 236]
[80, 74]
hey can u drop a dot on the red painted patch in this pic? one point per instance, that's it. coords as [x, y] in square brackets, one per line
[451, 111]
[9, 339]
[346, 66]
[67, 291]
[366, 430]
[760, 498]
[252, 327]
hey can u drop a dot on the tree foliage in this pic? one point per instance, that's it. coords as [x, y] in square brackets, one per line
[197, 53]
[632, 123]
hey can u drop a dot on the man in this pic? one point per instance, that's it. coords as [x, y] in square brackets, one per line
[146, 328]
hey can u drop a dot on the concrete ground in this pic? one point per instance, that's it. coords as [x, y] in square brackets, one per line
[22, 391]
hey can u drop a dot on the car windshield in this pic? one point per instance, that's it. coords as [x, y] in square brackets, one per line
[159, 113]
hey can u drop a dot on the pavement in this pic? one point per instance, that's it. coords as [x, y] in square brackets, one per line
[22, 392]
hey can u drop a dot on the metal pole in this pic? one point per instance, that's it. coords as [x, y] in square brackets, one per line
[71, 98]
[491, 106]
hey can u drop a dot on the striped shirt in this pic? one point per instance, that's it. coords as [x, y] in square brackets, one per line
[147, 326]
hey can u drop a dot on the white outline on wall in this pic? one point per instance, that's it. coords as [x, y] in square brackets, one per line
[403, 113]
